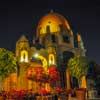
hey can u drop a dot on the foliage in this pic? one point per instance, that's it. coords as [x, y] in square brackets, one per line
[38, 74]
[78, 66]
[43, 92]
[7, 63]
[53, 74]
[35, 74]
[93, 75]
[92, 70]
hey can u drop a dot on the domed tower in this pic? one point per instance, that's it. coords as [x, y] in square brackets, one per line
[54, 25]
[54, 32]
[22, 54]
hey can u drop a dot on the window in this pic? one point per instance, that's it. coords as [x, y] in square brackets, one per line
[48, 29]
[51, 59]
[65, 38]
[24, 56]
[53, 38]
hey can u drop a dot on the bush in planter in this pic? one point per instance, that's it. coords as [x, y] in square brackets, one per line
[78, 67]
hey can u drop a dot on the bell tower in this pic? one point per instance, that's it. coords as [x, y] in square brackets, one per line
[22, 54]
[22, 49]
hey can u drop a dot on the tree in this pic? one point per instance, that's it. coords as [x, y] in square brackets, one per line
[93, 73]
[78, 67]
[92, 70]
[7, 63]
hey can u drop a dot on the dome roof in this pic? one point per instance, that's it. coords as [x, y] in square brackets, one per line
[53, 20]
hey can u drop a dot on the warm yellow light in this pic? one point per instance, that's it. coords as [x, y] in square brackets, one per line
[24, 56]
[84, 83]
[43, 59]
[36, 55]
[78, 38]
[51, 59]
[53, 27]
[53, 20]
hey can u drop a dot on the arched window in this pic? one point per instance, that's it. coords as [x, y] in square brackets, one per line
[53, 38]
[48, 28]
[24, 56]
[51, 59]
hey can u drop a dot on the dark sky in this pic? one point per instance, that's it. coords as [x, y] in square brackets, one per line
[19, 17]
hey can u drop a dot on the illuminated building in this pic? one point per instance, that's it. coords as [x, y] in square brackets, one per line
[54, 45]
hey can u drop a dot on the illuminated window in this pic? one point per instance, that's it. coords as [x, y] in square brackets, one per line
[51, 59]
[24, 56]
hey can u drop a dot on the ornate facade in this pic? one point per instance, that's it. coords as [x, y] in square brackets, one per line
[54, 45]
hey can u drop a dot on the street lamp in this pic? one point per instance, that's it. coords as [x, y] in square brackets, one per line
[36, 55]
[43, 59]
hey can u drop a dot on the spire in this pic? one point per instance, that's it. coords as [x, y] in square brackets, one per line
[78, 38]
[23, 38]
[80, 41]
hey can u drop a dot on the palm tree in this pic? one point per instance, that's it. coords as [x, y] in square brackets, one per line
[7, 64]
[78, 67]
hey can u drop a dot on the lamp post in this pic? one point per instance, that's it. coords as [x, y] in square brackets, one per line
[51, 73]
[44, 62]
[43, 59]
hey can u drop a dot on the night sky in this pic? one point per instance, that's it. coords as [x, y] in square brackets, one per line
[20, 17]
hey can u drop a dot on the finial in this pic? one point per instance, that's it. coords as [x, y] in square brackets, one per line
[80, 41]
[78, 37]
